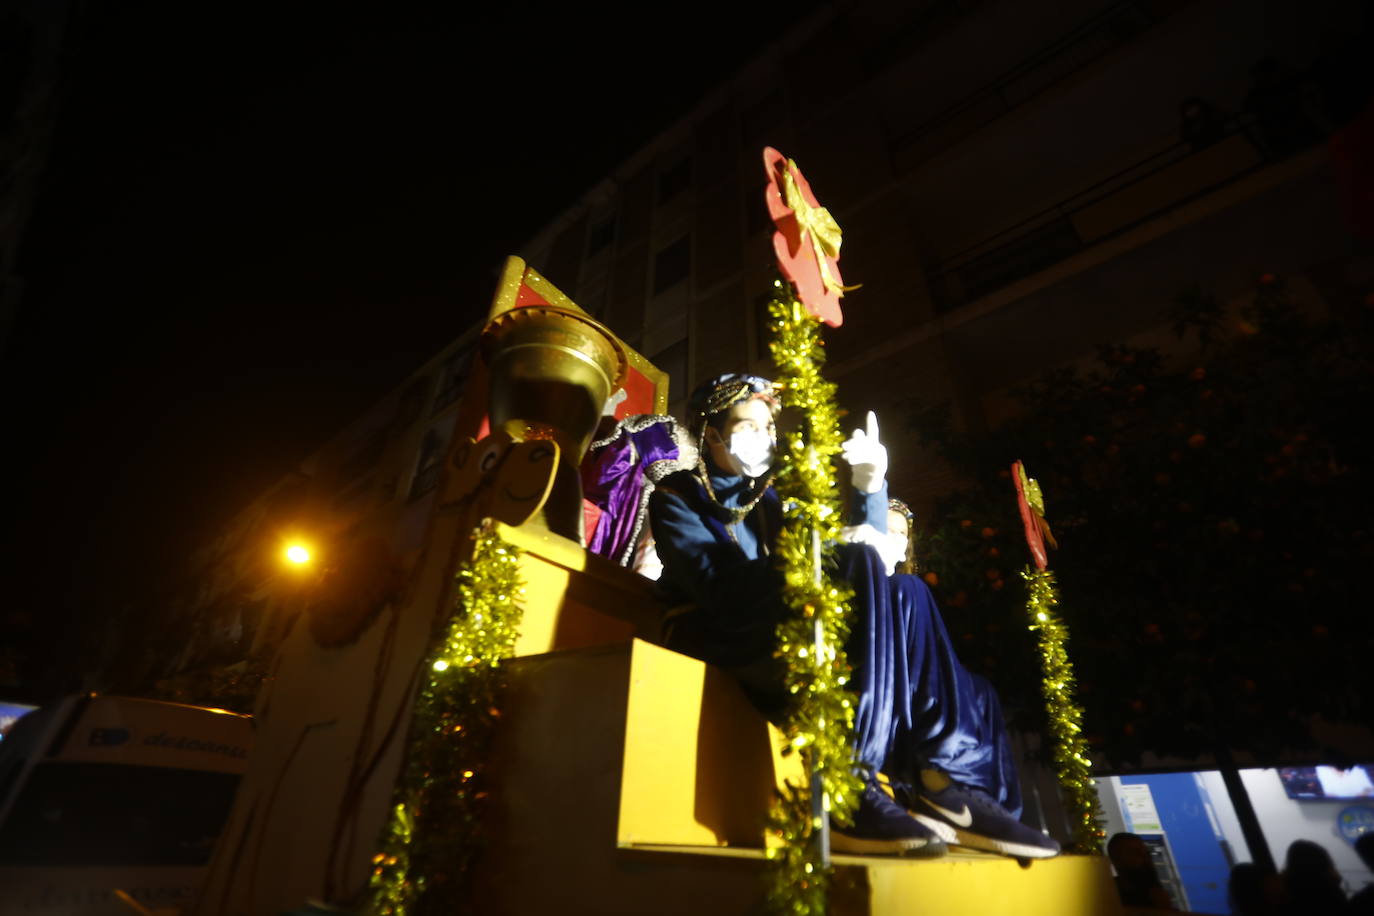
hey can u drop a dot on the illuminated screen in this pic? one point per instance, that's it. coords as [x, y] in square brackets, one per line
[1328, 782]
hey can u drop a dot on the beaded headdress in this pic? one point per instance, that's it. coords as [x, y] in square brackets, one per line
[896, 505]
[908, 563]
[724, 392]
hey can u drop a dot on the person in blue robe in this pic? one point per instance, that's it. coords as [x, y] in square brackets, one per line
[929, 734]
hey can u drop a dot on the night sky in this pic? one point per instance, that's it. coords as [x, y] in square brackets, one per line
[257, 219]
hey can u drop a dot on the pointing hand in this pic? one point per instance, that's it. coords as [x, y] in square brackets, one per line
[867, 457]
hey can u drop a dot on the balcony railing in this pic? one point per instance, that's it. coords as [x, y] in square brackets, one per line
[1154, 185]
[1057, 61]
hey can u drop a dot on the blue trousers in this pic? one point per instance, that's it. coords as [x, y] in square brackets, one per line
[918, 705]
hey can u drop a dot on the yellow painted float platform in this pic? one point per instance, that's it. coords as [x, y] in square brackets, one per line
[628, 779]
[635, 780]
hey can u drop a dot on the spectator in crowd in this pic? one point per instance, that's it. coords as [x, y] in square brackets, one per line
[1255, 891]
[1136, 879]
[1310, 879]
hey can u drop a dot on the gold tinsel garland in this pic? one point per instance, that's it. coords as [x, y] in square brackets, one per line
[435, 829]
[1065, 716]
[821, 719]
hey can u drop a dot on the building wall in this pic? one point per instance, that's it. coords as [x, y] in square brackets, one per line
[1013, 192]
[374, 481]
[1011, 183]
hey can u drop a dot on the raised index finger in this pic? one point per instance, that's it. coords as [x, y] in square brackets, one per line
[872, 425]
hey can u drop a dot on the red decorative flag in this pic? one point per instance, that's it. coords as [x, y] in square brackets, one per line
[1032, 505]
[807, 240]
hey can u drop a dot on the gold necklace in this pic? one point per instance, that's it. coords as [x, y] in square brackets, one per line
[732, 516]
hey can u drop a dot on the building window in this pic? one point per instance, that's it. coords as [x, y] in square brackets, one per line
[364, 459]
[353, 491]
[427, 465]
[759, 123]
[672, 264]
[410, 406]
[452, 377]
[601, 236]
[674, 180]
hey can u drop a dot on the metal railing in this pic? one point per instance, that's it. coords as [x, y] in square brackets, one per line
[1054, 233]
[1057, 61]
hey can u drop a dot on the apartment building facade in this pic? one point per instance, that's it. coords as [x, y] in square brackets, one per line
[1016, 183]
[1015, 186]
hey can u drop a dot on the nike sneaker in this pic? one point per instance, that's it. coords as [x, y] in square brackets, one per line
[978, 822]
[883, 827]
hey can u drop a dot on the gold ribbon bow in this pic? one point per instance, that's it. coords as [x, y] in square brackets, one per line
[1036, 500]
[817, 223]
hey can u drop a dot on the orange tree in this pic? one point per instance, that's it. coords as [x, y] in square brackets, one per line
[1215, 527]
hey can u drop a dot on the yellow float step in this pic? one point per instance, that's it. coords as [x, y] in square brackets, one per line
[631, 779]
[962, 883]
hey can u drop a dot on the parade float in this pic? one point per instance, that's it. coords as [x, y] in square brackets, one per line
[501, 732]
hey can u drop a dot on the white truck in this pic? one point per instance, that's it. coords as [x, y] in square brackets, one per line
[106, 793]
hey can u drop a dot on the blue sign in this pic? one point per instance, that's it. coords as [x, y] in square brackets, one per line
[1354, 822]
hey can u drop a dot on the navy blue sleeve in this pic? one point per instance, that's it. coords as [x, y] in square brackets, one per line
[869, 508]
[716, 577]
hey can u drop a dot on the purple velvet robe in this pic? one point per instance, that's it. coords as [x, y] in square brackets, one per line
[618, 474]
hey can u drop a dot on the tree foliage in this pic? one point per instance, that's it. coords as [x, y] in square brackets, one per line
[1214, 517]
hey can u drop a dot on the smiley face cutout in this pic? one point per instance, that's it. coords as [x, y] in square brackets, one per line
[508, 480]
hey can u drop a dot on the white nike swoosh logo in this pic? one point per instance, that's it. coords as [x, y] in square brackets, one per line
[962, 819]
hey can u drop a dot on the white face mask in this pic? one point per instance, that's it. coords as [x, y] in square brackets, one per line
[753, 449]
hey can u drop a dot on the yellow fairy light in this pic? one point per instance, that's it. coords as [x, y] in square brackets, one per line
[821, 721]
[1065, 717]
[435, 830]
[298, 554]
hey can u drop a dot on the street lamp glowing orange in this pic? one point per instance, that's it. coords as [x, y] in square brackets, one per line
[298, 554]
